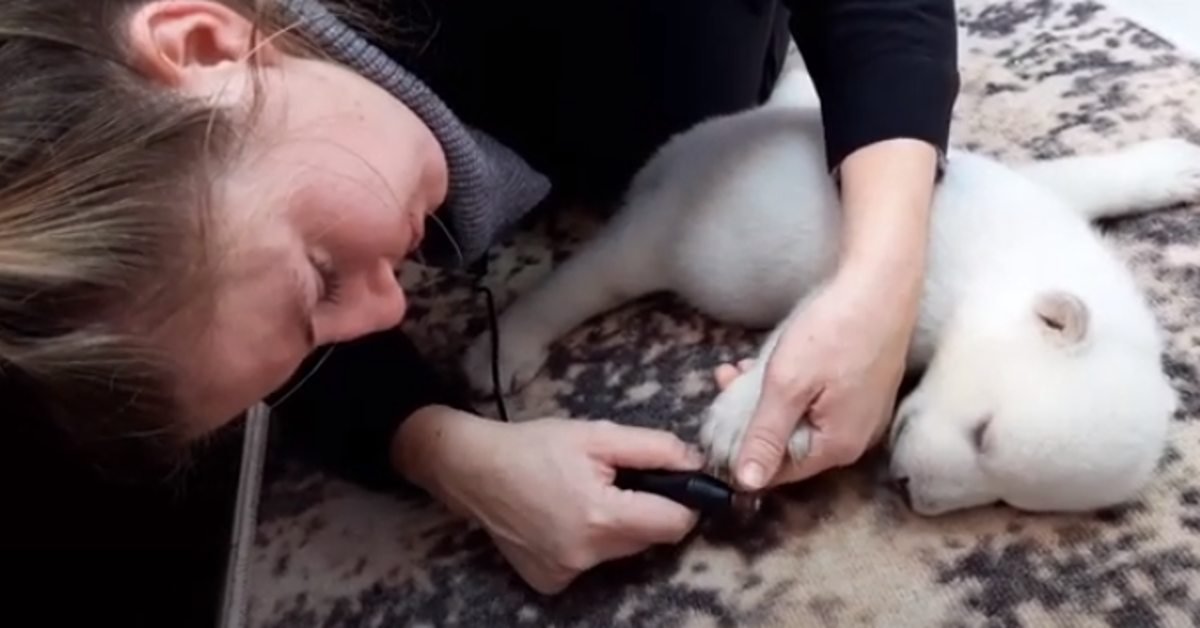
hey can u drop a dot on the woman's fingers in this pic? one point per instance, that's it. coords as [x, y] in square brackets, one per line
[649, 519]
[726, 373]
[630, 447]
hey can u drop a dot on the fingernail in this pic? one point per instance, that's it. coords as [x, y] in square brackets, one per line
[695, 456]
[752, 476]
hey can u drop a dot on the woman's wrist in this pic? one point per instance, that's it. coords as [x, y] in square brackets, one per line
[425, 444]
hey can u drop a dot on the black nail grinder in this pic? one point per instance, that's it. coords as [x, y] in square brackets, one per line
[695, 490]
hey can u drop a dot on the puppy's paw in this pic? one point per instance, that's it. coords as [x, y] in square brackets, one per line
[521, 358]
[726, 420]
[725, 423]
[1169, 171]
[800, 444]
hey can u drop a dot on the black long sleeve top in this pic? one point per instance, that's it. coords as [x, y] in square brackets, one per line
[884, 69]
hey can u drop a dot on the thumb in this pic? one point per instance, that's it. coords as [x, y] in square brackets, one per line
[649, 519]
[765, 442]
[628, 447]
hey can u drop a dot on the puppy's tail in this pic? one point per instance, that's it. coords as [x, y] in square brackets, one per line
[1143, 177]
[795, 90]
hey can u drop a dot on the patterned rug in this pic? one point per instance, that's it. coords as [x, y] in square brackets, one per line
[1041, 78]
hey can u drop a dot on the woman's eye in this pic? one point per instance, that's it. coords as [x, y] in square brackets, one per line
[330, 284]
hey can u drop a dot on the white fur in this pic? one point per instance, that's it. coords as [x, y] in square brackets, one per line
[1043, 385]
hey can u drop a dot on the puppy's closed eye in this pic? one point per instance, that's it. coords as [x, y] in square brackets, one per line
[897, 428]
[979, 434]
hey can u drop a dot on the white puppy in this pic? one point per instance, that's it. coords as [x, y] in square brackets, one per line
[1043, 385]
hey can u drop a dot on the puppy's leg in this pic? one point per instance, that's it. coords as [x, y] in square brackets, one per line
[620, 264]
[1142, 177]
[795, 90]
[727, 418]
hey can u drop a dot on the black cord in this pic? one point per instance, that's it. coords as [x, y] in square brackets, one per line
[480, 270]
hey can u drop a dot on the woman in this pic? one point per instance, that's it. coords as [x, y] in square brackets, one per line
[201, 178]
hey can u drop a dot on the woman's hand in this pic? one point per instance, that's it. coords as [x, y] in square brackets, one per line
[839, 365]
[543, 489]
[839, 361]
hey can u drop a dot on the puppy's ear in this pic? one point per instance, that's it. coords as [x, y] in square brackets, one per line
[1063, 317]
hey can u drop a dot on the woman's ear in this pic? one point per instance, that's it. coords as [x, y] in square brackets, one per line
[195, 45]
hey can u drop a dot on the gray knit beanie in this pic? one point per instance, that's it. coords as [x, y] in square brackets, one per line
[490, 186]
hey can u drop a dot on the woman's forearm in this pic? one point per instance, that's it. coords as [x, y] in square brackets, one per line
[887, 193]
[887, 75]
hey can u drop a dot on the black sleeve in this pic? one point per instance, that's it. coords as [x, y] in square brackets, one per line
[128, 545]
[344, 406]
[884, 69]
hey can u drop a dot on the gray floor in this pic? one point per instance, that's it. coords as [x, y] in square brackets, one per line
[1175, 20]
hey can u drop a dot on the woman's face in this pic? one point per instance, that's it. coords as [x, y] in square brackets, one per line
[312, 218]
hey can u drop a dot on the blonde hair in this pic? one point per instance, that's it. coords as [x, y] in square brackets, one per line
[105, 181]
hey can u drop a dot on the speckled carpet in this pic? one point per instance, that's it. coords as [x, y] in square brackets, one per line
[1041, 78]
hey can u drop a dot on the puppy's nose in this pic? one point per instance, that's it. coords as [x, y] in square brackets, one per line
[901, 486]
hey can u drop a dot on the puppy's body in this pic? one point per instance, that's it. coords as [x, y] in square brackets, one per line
[1043, 386]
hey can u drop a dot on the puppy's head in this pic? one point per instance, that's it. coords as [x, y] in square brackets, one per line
[1035, 406]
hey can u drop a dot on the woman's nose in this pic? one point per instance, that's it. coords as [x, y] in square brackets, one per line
[376, 303]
